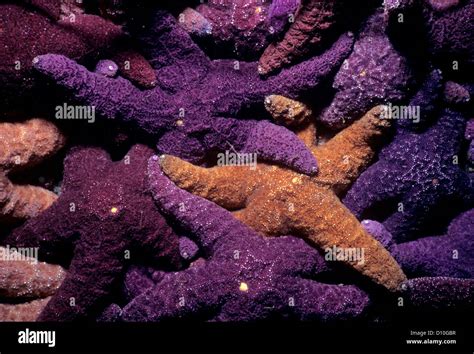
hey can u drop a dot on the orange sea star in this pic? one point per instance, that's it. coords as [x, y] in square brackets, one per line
[22, 145]
[277, 201]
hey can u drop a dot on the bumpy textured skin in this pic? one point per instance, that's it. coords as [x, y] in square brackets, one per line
[440, 293]
[237, 26]
[25, 312]
[27, 278]
[107, 68]
[65, 9]
[456, 94]
[191, 111]
[111, 213]
[417, 170]
[70, 7]
[374, 73]
[187, 248]
[135, 68]
[428, 98]
[291, 113]
[278, 201]
[448, 31]
[21, 202]
[194, 23]
[28, 283]
[442, 5]
[279, 14]
[258, 283]
[449, 255]
[314, 20]
[137, 280]
[29, 31]
[22, 145]
[451, 34]
[25, 144]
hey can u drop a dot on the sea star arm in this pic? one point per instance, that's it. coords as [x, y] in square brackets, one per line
[22, 276]
[28, 143]
[112, 98]
[334, 227]
[279, 14]
[293, 114]
[325, 302]
[177, 59]
[417, 206]
[53, 231]
[448, 255]
[345, 156]
[428, 98]
[375, 185]
[254, 139]
[228, 186]
[247, 88]
[268, 141]
[24, 312]
[21, 202]
[189, 209]
[309, 74]
[194, 292]
[313, 20]
[84, 287]
[50, 231]
[439, 293]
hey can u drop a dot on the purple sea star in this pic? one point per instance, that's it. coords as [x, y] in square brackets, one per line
[449, 255]
[244, 276]
[440, 293]
[456, 94]
[233, 26]
[420, 172]
[280, 15]
[32, 28]
[445, 26]
[104, 216]
[191, 111]
[373, 74]
[427, 98]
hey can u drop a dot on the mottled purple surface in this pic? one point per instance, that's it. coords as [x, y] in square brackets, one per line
[449, 255]
[104, 219]
[244, 276]
[107, 68]
[451, 35]
[419, 171]
[428, 99]
[126, 263]
[32, 28]
[279, 14]
[446, 31]
[456, 94]
[192, 110]
[373, 74]
[239, 27]
[440, 293]
[187, 248]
